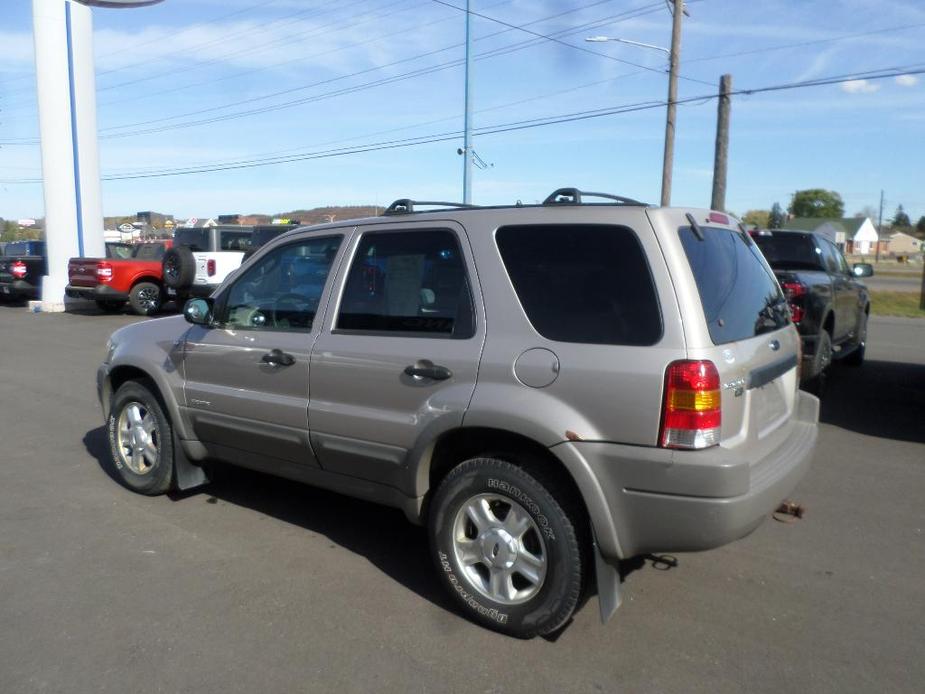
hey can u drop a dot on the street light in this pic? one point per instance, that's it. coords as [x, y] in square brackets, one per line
[678, 11]
[604, 39]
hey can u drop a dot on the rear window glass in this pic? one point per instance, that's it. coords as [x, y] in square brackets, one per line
[740, 298]
[196, 239]
[583, 283]
[25, 248]
[149, 251]
[234, 240]
[790, 251]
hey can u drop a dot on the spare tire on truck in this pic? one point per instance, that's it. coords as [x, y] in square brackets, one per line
[179, 267]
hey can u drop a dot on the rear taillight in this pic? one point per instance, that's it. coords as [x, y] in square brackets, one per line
[104, 272]
[795, 291]
[691, 413]
[18, 269]
[210, 267]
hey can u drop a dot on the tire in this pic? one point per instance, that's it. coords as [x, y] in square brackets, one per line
[140, 439]
[856, 358]
[146, 298]
[473, 537]
[179, 267]
[109, 305]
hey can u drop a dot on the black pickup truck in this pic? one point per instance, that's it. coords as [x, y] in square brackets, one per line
[828, 304]
[22, 266]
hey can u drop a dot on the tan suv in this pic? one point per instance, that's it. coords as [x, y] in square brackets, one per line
[548, 388]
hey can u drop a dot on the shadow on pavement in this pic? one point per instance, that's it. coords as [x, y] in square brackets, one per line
[383, 535]
[881, 398]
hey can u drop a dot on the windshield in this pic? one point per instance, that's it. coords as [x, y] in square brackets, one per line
[196, 239]
[740, 298]
[789, 251]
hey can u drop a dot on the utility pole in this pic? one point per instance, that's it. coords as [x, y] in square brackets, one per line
[467, 124]
[721, 160]
[674, 56]
[879, 228]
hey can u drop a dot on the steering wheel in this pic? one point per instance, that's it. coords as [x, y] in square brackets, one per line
[291, 303]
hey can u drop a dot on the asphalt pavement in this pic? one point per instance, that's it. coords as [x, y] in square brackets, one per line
[255, 584]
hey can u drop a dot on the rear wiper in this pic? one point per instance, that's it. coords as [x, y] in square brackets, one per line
[698, 232]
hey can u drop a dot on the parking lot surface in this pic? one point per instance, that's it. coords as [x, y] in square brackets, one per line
[259, 584]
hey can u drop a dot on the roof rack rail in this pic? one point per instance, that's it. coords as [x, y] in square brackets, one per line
[573, 196]
[406, 206]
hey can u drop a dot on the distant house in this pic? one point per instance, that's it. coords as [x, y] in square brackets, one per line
[851, 234]
[902, 243]
[201, 222]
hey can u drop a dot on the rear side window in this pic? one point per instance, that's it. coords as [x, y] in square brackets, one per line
[149, 251]
[196, 239]
[740, 298]
[234, 240]
[788, 251]
[583, 283]
[25, 248]
[408, 282]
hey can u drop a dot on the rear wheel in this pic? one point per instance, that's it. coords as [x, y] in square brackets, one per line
[109, 305]
[140, 439]
[146, 298]
[507, 546]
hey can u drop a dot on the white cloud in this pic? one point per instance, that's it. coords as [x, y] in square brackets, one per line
[907, 80]
[859, 87]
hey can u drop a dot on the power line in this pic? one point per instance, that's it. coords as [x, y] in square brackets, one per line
[883, 73]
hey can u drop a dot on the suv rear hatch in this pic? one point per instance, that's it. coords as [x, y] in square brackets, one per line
[739, 320]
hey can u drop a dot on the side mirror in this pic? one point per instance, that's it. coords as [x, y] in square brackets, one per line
[198, 311]
[863, 269]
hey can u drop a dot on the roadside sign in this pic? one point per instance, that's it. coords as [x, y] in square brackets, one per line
[127, 228]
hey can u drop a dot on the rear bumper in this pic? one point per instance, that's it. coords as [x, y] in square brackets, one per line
[200, 291]
[659, 500]
[19, 289]
[100, 292]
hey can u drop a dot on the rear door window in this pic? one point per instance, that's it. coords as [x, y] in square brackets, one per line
[408, 282]
[583, 283]
[740, 298]
[149, 251]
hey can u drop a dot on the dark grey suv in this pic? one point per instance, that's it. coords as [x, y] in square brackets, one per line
[548, 388]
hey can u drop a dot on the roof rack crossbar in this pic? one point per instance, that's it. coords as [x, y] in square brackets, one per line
[573, 196]
[406, 205]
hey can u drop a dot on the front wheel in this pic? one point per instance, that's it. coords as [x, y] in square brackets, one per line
[507, 549]
[140, 440]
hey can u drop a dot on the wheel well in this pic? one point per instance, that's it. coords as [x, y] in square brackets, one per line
[123, 374]
[829, 324]
[459, 445]
[152, 280]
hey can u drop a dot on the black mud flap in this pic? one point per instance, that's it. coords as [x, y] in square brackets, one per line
[186, 474]
[609, 590]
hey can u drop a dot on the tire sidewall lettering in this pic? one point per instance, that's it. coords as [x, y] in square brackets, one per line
[490, 612]
[521, 497]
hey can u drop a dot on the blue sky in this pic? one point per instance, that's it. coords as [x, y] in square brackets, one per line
[160, 65]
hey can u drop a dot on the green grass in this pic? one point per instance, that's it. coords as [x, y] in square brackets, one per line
[904, 304]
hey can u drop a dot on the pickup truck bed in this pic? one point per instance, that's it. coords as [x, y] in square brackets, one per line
[21, 270]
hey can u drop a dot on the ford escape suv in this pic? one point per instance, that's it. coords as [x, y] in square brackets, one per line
[548, 388]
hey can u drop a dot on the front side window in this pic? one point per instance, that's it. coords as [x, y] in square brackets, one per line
[583, 283]
[740, 298]
[408, 282]
[281, 291]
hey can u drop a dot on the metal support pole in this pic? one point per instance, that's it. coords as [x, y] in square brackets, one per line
[721, 160]
[879, 229]
[668, 161]
[467, 141]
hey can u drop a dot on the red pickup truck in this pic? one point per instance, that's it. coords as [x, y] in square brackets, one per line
[110, 282]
